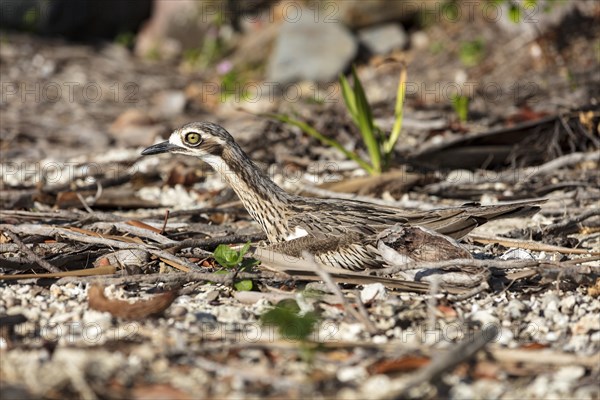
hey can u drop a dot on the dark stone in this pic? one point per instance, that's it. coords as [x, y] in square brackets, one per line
[75, 19]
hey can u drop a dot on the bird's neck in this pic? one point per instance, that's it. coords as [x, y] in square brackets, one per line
[265, 201]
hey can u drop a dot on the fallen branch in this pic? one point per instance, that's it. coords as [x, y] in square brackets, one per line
[566, 226]
[561, 162]
[214, 242]
[29, 254]
[324, 275]
[103, 270]
[543, 357]
[43, 230]
[446, 362]
[528, 244]
[175, 278]
[136, 231]
[464, 262]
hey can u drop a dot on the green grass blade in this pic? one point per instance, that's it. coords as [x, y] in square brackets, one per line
[349, 98]
[461, 107]
[388, 146]
[365, 123]
[324, 139]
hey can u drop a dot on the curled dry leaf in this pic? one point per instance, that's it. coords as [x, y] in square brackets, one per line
[131, 311]
[594, 290]
[404, 364]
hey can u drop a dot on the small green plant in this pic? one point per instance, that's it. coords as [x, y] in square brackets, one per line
[436, 47]
[125, 39]
[230, 259]
[293, 325]
[471, 52]
[233, 85]
[212, 47]
[379, 146]
[290, 323]
[31, 18]
[460, 104]
[450, 10]
[153, 54]
[192, 56]
[519, 11]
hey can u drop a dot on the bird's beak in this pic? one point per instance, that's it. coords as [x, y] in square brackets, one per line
[163, 147]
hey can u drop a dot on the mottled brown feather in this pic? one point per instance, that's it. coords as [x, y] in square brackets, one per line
[339, 233]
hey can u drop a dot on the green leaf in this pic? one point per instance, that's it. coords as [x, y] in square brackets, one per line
[226, 256]
[245, 249]
[290, 324]
[365, 123]
[388, 146]
[222, 272]
[248, 263]
[471, 52]
[349, 98]
[461, 107]
[243, 285]
[514, 13]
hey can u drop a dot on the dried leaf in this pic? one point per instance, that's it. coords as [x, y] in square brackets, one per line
[140, 224]
[447, 311]
[141, 309]
[534, 346]
[486, 370]
[594, 290]
[159, 391]
[125, 239]
[405, 364]
[100, 270]
[175, 265]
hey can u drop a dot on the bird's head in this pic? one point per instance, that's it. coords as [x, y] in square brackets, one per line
[201, 139]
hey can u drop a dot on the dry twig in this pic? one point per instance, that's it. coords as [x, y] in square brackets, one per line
[324, 275]
[214, 242]
[31, 256]
[444, 363]
[561, 162]
[465, 262]
[530, 245]
[80, 237]
[568, 225]
[176, 279]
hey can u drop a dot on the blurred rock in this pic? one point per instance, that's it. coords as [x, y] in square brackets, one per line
[168, 103]
[371, 292]
[131, 116]
[311, 49]
[174, 26]
[254, 46]
[134, 128]
[359, 14]
[382, 39]
[419, 40]
[542, 17]
[75, 19]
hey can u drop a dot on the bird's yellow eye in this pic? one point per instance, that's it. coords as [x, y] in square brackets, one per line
[193, 138]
